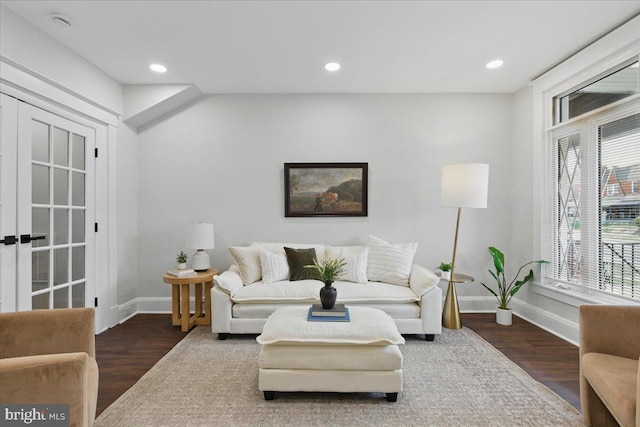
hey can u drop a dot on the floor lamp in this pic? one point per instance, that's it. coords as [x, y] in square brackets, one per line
[464, 185]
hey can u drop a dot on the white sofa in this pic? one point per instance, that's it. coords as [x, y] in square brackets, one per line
[239, 307]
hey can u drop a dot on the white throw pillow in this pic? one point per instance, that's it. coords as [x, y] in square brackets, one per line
[274, 266]
[356, 259]
[248, 261]
[390, 263]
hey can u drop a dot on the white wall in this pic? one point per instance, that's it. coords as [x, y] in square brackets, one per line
[27, 46]
[221, 160]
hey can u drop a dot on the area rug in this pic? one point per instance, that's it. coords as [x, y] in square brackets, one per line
[457, 380]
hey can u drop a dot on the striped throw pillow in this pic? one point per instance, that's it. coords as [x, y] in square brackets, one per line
[390, 263]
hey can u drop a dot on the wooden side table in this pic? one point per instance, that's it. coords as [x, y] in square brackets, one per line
[180, 311]
[451, 311]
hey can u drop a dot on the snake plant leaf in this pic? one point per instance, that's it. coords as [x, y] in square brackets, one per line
[498, 259]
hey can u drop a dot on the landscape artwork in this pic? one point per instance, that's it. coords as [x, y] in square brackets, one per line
[325, 189]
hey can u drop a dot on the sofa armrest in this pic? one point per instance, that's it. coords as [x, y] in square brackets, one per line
[221, 307]
[63, 378]
[48, 331]
[610, 329]
[229, 281]
[431, 311]
[422, 280]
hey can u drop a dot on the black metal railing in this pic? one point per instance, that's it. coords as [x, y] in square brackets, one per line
[621, 268]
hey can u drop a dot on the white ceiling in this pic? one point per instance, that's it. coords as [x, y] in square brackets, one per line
[281, 46]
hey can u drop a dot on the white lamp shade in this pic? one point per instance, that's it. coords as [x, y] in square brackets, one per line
[465, 185]
[200, 236]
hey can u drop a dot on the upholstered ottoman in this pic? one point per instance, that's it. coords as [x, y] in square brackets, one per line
[357, 356]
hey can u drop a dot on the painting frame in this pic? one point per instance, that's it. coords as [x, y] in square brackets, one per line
[307, 185]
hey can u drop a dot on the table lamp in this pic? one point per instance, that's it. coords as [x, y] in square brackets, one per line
[200, 237]
[464, 185]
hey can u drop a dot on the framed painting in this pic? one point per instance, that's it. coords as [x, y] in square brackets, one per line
[325, 189]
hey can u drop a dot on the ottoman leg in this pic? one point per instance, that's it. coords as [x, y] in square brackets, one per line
[270, 395]
[392, 397]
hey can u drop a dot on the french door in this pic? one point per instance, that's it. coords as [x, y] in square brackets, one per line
[46, 209]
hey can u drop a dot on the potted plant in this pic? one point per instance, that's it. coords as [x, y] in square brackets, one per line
[182, 260]
[506, 291]
[445, 269]
[329, 270]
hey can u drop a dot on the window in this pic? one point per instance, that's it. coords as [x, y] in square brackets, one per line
[591, 197]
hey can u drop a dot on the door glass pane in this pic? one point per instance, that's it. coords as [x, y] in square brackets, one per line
[60, 147]
[61, 298]
[77, 264]
[78, 189]
[60, 226]
[39, 270]
[40, 141]
[40, 226]
[40, 302]
[40, 185]
[78, 152]
[60, 265]
[60, 187]
[77, 226]
[77, 295]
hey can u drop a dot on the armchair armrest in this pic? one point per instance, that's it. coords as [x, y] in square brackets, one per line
[64, 378]
[35, 332]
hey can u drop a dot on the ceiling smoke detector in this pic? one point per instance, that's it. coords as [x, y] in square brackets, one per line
[61, 20]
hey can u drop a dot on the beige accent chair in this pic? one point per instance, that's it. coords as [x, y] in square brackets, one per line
[48, 357]
[609, 359]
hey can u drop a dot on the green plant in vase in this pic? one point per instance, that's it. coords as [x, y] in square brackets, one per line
[445, 268]
[506, 291]
[329, 270]
[181, 259]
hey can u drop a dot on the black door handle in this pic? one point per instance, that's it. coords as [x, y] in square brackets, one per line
[9, 240]
[25, 238]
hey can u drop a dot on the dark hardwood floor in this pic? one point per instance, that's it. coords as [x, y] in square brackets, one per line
[126, 352]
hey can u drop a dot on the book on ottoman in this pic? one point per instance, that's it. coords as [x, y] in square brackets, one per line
[344, 318]
[338, 310]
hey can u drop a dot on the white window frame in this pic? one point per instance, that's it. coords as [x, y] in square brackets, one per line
[603, 55]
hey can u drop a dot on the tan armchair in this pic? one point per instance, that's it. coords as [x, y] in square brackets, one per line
[48, 357]
[609, 359]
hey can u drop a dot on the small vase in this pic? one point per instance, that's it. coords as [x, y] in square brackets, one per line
[445, 275]
[182, 266]
[328, 295]
[504, 317]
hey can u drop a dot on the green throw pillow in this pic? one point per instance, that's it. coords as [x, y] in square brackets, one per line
[297, 259]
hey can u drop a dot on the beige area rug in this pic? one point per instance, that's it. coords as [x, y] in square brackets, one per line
[457, 380]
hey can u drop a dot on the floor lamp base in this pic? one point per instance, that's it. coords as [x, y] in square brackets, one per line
[451, 311]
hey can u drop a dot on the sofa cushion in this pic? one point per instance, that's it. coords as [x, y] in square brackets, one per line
[279, 247]
[299, 260]
[247, 259]
[355, 258]
[309, 291]
[367, 326]
[390, 263]
[274, 266]
[264, 310]
[614, 379]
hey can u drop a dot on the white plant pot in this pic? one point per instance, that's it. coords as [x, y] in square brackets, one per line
[445, 275]
[182, 266]
[504, 317]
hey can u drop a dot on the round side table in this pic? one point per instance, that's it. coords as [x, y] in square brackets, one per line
[451, 311]
[180, 311]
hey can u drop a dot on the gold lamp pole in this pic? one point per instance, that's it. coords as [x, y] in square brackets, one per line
[463, 185]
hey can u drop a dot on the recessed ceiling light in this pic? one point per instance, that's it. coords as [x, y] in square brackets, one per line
[495, 63]
[332, 66]
[158, 68]
[61, 20]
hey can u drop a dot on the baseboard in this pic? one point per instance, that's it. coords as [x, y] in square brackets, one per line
[557, 325]
[550, 322]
